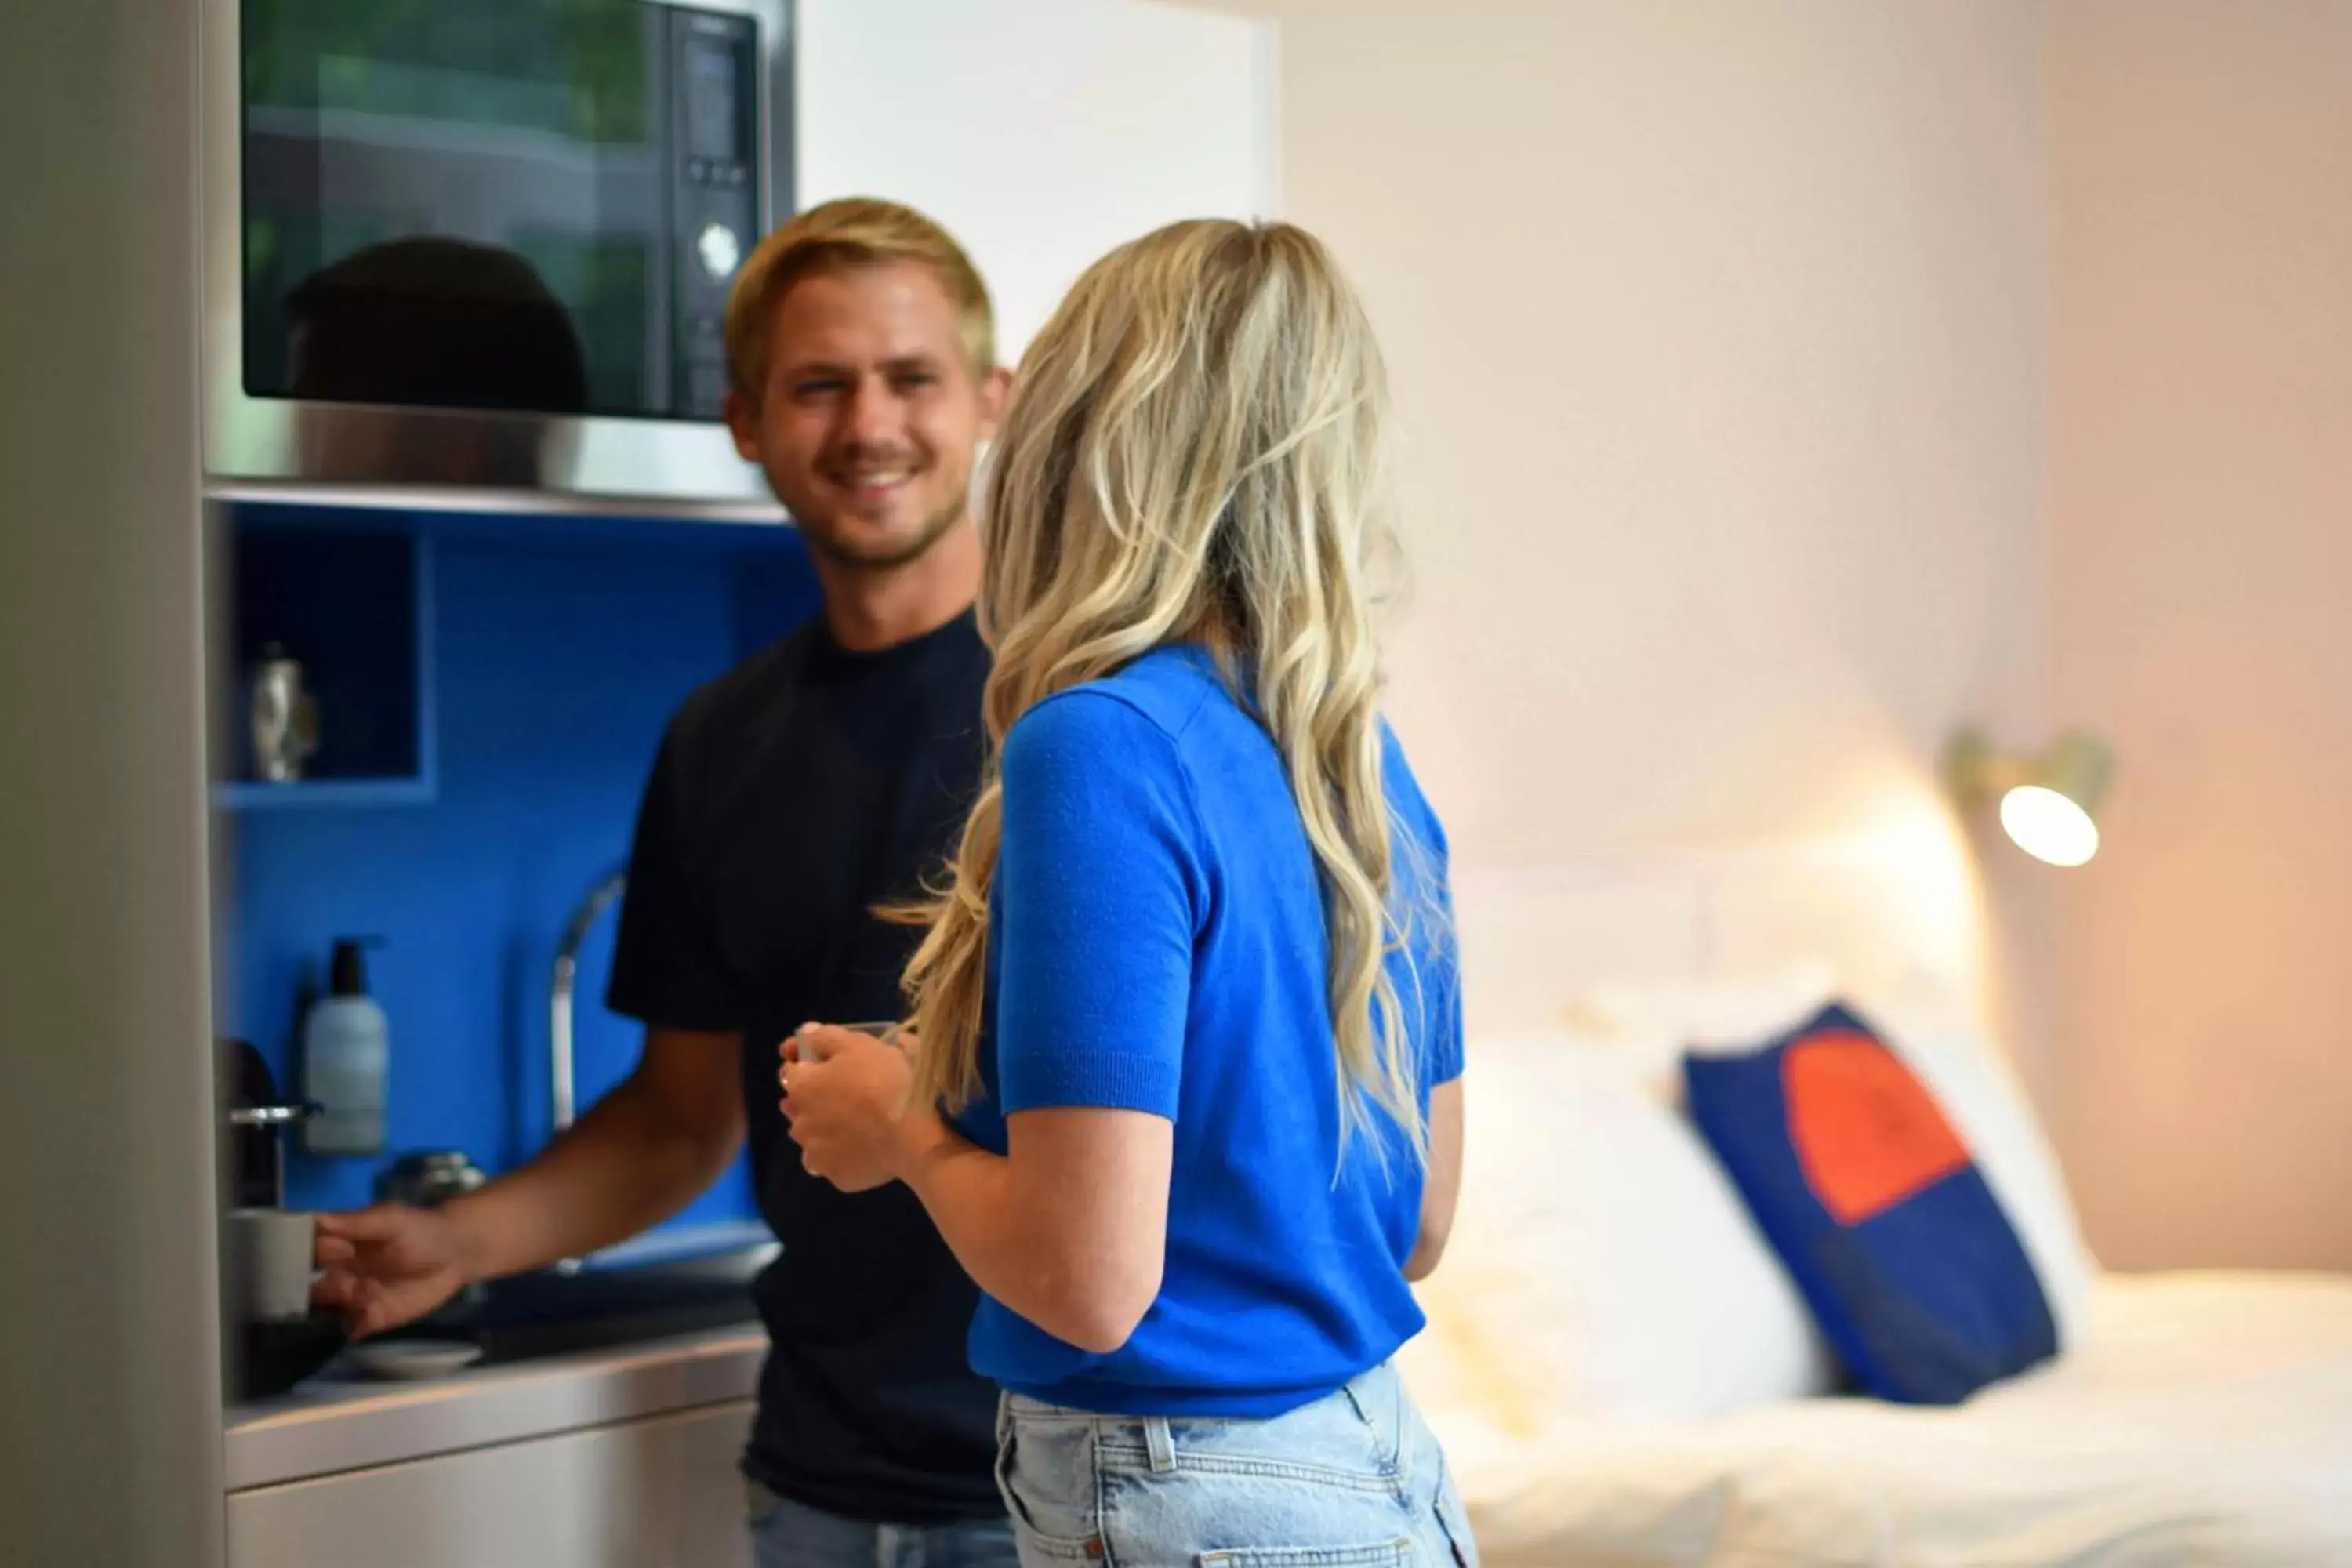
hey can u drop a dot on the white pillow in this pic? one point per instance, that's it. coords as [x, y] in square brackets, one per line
[1934, 1033]
[1659, 1022]
[1600, 1263]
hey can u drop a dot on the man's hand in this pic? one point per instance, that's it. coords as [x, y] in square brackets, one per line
[389, 1265]
[846, 1098]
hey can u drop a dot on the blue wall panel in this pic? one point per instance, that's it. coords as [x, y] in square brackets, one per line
[563, 647]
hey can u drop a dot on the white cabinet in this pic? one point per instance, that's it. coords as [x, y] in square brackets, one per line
[1041, 132]
[658, 1493]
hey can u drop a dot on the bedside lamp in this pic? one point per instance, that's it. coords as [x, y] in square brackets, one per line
[2048, 800]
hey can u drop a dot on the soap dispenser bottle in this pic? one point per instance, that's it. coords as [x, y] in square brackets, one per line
[344, 1044]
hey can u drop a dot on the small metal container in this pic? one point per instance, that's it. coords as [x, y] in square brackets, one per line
[284, 717]
[421, 1181]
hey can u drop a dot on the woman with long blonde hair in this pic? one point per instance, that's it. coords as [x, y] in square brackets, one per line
[1185, 1100]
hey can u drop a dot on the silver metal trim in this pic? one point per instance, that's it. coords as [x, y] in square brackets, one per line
[273, 439]
[456, 497]
[274, 1115]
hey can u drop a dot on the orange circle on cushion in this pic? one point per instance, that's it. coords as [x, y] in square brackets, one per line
[1866, 1131]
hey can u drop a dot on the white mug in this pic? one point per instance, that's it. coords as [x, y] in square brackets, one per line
[272, 1257]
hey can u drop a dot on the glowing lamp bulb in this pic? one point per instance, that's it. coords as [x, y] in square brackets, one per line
[2048, 825]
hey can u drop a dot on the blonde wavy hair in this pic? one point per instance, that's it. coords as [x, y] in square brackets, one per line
[1194, 452]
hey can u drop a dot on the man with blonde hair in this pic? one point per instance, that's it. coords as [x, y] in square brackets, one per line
[821, 778]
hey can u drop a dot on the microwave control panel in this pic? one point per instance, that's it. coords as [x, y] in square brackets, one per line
[715, 137]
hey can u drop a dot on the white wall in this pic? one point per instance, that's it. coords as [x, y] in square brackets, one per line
[1783, 383]
[2202, 616]
[1041, 132]
[1717, 333]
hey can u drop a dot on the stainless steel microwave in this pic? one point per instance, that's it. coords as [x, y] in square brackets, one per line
[485, 245]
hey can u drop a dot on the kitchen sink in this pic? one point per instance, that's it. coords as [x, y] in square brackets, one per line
[552, 1312]
[625, 1297]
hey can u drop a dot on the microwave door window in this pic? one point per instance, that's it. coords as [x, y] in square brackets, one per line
[454, 203]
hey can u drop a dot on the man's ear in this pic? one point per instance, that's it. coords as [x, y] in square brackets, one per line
[995, 391]
[743, 416]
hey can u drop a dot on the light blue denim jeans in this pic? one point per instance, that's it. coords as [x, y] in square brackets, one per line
[786, 1534]
[1353, 1478]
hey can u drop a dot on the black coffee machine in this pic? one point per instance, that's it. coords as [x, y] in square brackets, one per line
[259, 1120]
[267, 1358]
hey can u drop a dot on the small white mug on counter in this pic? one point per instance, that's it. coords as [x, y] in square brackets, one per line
[272, 1258]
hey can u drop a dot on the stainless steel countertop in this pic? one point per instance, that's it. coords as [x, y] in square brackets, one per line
[343, 1420]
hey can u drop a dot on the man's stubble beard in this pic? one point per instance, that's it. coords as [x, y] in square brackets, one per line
[941, 523]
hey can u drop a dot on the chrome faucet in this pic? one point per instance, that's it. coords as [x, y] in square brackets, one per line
[560, 988]
[563, 1091]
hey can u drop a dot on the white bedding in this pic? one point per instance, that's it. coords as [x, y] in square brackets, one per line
[2207, 1418]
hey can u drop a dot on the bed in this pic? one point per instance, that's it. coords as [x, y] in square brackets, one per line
[1621, 1373]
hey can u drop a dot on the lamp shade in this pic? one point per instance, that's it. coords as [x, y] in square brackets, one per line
[2049, 800]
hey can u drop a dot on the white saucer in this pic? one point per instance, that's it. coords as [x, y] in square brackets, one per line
[414, 1360]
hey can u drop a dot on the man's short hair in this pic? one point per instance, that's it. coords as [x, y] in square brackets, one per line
[856, 231]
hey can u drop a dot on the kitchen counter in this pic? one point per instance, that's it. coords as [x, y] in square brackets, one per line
[343, 1420]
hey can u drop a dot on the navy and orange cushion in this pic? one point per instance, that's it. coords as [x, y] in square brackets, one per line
[1858, 1180]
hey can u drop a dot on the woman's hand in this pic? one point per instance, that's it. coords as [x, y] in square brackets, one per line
[846, 1098]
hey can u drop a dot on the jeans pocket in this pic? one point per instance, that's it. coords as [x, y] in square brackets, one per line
[1045, 1475]
[1397, 1553]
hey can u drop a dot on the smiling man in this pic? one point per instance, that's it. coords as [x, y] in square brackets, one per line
[825, 776]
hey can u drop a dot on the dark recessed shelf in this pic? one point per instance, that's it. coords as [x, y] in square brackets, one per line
[351, 598]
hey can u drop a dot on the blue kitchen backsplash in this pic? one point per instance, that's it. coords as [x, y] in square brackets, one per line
[560, 648]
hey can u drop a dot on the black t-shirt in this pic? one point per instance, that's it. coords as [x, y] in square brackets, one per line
[791, 796]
